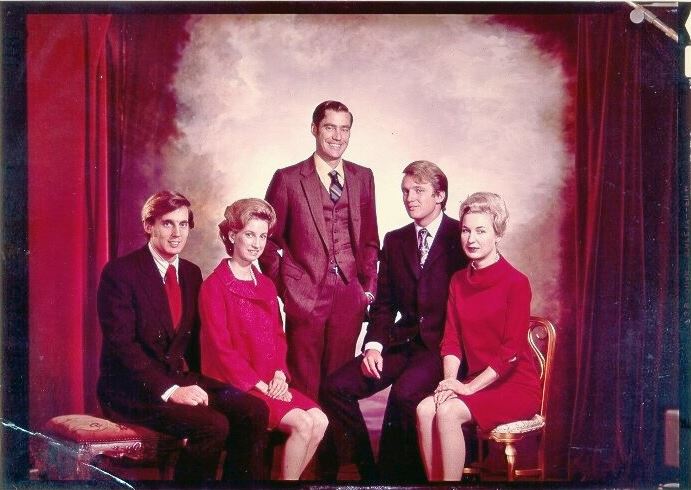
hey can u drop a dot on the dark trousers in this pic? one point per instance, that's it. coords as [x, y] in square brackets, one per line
[233, 420]
[413, 372]
[323, 343]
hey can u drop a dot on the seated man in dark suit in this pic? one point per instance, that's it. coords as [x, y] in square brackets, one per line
[416, 265]
[147, 307]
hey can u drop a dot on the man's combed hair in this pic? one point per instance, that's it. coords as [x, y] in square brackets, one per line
[334, 105]
[423, 171]
[164, 202]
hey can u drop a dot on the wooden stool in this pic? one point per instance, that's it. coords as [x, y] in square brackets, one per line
[72, 447]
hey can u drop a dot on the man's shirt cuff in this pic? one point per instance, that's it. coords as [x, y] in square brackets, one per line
[169, 392]
[374, 345]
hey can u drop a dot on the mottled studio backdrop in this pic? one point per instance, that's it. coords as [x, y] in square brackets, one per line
[473, 95]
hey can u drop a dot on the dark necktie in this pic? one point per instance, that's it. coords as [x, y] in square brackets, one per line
[422, 245]
[174, 295]
[335, 189]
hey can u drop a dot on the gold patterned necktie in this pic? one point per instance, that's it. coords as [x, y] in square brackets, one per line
[422, 245]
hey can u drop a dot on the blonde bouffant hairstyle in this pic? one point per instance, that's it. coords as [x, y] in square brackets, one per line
[490, 203]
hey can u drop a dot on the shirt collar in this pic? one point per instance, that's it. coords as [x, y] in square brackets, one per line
[324, 168]
[162, 264]
[431, 228]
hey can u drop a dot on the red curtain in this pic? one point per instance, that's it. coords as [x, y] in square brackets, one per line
[627, 254]
[68, 112]
[99, 108]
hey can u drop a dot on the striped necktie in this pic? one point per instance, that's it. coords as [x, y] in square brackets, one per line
[335, 189]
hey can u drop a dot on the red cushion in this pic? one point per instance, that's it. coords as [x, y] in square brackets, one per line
[81, 429]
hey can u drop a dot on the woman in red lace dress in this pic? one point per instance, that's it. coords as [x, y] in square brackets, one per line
[242, 338]
[487, 319]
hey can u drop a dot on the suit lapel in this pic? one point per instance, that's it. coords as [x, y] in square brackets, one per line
[188, 299]
[409, 239]
[440, 245]
[153, 285]
[312, 187]
[352, 185]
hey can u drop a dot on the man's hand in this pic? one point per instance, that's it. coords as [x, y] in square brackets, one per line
[189, 395]
[372, 363]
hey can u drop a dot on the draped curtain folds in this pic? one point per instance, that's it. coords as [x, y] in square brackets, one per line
[626, 360]
[100, 107]
[68, 207]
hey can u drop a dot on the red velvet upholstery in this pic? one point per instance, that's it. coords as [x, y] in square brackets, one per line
[77, 446]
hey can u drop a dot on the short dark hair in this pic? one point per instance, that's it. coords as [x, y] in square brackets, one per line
[164, 202]
[238, 214]
[424, 171]
[334, 105]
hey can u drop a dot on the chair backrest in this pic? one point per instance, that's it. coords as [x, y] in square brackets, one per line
[542, 337]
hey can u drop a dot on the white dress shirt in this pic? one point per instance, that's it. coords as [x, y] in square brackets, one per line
[324, 168]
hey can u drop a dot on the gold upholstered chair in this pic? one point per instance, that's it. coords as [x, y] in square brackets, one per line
[542, 340]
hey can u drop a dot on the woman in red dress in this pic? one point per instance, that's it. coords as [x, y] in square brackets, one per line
[487, 319]
[242, 338]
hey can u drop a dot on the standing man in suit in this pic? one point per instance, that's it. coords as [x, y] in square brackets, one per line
[416, 265]
[322, 255]
[147, 307]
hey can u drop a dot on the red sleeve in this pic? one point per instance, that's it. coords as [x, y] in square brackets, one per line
[515, 327]
[451, 342]
[223, 356]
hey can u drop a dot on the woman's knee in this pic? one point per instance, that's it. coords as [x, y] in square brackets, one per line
[426, 409]
[319, 422]
[301, 424]
[453, 411]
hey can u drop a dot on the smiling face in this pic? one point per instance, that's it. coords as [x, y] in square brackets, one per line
[168, 233]
[249, 243]
[332, 135]
[420, 200]
[478, 238]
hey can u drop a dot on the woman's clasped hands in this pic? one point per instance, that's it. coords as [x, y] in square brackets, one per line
[450, 388]
[278, 388]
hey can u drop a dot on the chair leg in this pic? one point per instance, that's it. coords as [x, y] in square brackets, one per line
[510, 452]
[481, 446]
[541, 457]
[82, 471]
[480, 452]
[221, 464]
[167, 464]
